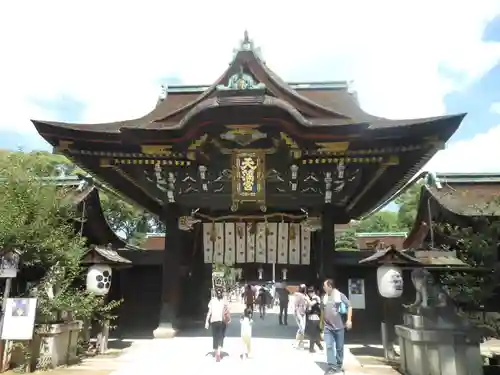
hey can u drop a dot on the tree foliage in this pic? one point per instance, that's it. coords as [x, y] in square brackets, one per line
[346, 241]
[382, 221]
[36, 220]
[478, 246]
[408, 205]
[127, 220]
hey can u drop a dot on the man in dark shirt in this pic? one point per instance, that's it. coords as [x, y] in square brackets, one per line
[335, 303]
[283, 297]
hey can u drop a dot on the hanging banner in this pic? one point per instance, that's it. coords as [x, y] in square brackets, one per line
[219, 244]
[283, 243]
[257, 242]
[250, 243]
[230, 244]
[272, 243]
[19, 319]
[208, 243]
[261, 248]
[305, 243]
[357, 293]
[241, 242]
[294, 243]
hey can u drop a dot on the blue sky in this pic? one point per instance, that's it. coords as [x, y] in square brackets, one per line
[113, 70]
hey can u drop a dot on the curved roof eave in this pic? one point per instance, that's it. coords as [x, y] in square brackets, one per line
[113, 130]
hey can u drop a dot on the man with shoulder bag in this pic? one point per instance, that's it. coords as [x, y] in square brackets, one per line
[336, 307]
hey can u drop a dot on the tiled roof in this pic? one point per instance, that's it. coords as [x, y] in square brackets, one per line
[417, 258]
[154, 242]
[470, 199]
[110, 255]
[438, 258]
[469, 195]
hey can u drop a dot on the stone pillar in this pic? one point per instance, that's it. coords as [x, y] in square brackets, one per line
[434, 346]
[326, 266]
[171, 274]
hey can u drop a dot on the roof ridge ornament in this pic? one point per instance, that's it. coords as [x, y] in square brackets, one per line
[247, 44]
[241, 81]
[163, 92]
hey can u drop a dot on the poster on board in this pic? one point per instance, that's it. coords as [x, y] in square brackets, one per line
[357, 293]
[19, 319]
[9, 265]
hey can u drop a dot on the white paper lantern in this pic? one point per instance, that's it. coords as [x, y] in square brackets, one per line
[390, 281]
[284, 272]
[99, 279]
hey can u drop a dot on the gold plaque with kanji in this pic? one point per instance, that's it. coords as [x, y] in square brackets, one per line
[248, 177]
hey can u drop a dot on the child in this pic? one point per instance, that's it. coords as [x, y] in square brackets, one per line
[246, 332]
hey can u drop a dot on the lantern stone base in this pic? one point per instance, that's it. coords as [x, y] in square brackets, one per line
[434, 346]
[165, 331]
[166, 328]
[53, 345]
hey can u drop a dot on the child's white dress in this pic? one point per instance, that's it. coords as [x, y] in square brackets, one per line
[246, 334]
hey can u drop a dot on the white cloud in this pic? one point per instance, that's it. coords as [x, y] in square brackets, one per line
[110, 54]
[495, 108]
[479, 154]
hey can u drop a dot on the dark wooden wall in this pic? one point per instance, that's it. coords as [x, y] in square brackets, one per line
[140, 288]
[366, 323]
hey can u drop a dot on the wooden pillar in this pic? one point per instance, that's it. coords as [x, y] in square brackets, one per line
[327, 245]
[171, 273]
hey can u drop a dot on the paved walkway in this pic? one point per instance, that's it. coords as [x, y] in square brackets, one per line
[272, 352]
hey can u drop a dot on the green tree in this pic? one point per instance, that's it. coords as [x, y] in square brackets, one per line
[36, 220]
[382, 221]
[41, 163]
[346, 241]
[477, 245]
[127, 220]
[408, 205]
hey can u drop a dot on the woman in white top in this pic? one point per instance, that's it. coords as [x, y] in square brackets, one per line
[218, 317]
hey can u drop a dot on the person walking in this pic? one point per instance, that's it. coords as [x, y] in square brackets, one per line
[218, 317]
[249, 297]
[313, 316]
[262, 301]
[246, 333]
[300, 307]
[336, 304]
[283, 299]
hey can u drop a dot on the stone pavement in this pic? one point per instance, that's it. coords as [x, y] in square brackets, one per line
[272, 351]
